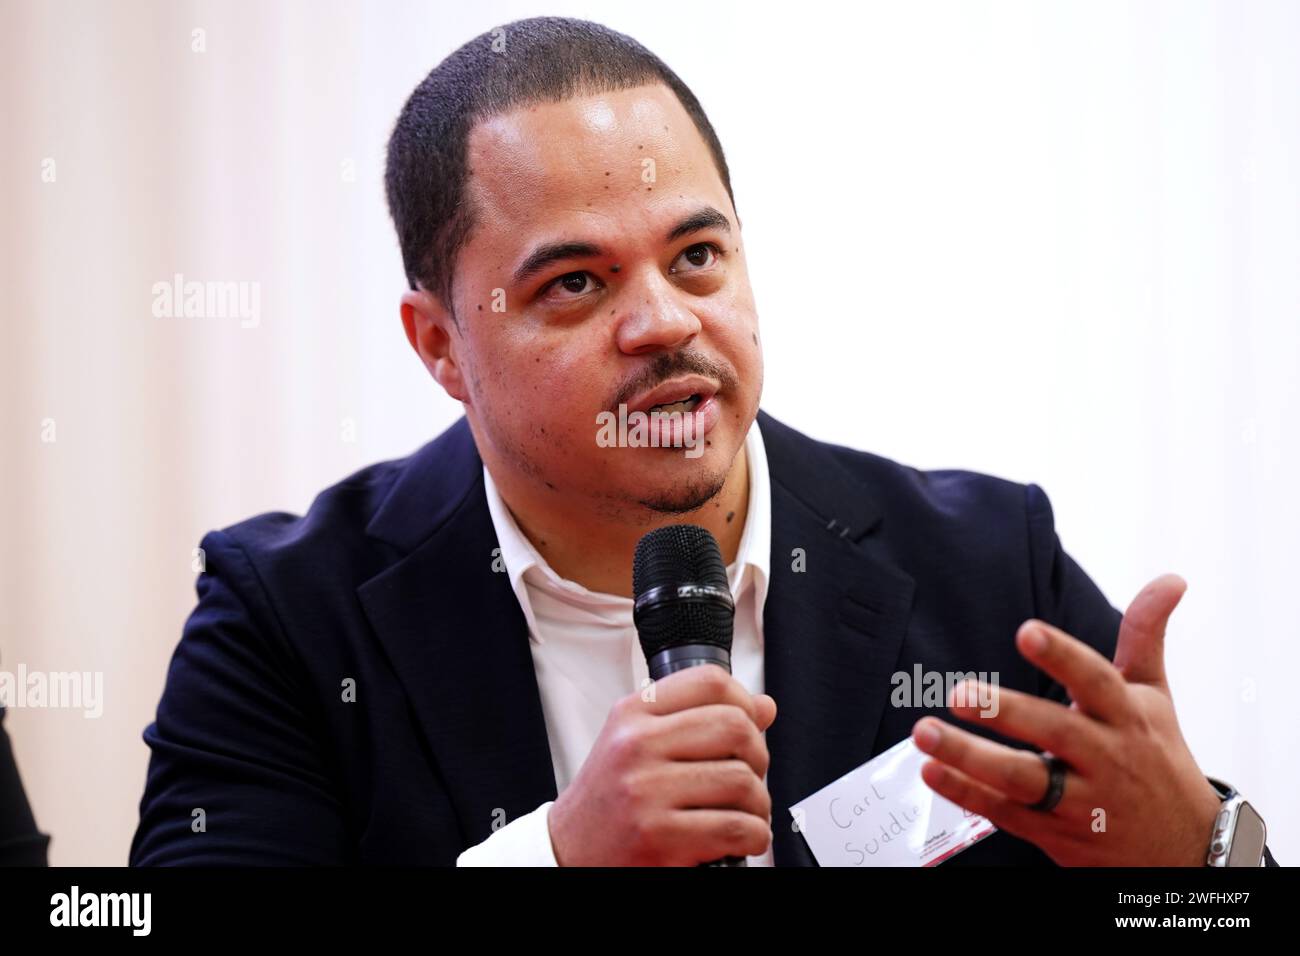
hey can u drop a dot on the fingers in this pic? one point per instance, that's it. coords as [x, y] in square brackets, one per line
[1140, 652]
[1093, 682]
[696, 686]
[728, 832]
[1018, 775]
[715, 784]
[711, 732]
[1068, 733]
[1017, 819]
[707, 684]
[766, 708]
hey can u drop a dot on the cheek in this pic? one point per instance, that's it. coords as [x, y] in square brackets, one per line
[733, 326]
[553, 399]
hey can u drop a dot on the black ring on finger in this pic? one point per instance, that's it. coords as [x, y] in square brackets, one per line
[1056, 769]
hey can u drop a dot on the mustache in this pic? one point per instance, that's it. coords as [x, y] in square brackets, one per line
[664, 367]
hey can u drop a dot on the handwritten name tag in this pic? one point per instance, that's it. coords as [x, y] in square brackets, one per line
[883, 814]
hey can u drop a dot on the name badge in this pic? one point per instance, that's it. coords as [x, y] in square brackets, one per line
[883, 814]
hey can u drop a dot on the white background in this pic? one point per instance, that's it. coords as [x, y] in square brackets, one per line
[1057, 242]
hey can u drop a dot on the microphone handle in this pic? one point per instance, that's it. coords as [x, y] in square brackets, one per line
[678, 658]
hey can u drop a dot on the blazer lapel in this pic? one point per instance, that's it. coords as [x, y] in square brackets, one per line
[457, 639]
[833, 624]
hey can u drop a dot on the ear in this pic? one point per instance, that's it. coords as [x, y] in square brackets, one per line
[434, 336]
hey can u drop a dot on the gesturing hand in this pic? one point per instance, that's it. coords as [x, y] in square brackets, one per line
[1133, 794]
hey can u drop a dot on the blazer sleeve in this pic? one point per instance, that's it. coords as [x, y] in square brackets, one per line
[237, 773]
[1066, 597]
[21, 843]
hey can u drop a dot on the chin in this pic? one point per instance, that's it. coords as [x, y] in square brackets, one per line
[682, 501]
[693, 488]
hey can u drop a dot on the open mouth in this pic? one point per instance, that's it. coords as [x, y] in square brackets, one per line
[679, 396]
[683, 406]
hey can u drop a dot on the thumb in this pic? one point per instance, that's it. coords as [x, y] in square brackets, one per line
[765, 709]
[1140, 650]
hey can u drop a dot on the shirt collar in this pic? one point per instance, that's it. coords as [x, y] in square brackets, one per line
[753, 556]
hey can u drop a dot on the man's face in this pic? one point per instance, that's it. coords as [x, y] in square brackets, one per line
[661, 296]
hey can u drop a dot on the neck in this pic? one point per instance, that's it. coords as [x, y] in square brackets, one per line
[598, 553]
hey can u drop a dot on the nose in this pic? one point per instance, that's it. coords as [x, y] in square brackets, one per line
[655, 318]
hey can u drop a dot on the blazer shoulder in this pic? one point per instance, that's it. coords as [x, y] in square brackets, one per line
[939, 499]
[949, 496]
[385, 509]
[335, 521]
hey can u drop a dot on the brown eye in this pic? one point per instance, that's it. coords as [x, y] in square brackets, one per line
[698, 257]
[576, 283]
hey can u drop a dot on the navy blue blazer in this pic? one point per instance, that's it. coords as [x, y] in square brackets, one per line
[386, 587]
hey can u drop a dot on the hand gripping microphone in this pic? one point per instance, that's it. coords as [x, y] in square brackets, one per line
[683, 607]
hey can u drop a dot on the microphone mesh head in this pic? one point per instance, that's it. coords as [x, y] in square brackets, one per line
[668, 558]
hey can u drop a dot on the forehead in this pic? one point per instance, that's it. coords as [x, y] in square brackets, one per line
[579, 165]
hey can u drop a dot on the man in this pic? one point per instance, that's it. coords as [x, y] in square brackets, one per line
[437, 664]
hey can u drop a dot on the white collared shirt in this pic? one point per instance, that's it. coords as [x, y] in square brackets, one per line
[586, 653]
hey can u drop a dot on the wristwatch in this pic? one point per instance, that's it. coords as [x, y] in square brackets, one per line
[1238, 835]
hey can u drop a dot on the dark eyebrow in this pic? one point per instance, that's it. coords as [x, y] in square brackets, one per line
[544, 255]
[706, 217]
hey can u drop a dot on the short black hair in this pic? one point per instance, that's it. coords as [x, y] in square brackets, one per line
[538, 60]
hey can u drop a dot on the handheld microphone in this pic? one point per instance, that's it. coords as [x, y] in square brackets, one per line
[683, 607]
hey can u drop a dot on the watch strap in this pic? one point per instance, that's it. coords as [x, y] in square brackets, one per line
[1226, 791]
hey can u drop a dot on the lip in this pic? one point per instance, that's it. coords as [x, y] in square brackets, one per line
[708, 413]
[676, 390]
[672, 432]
